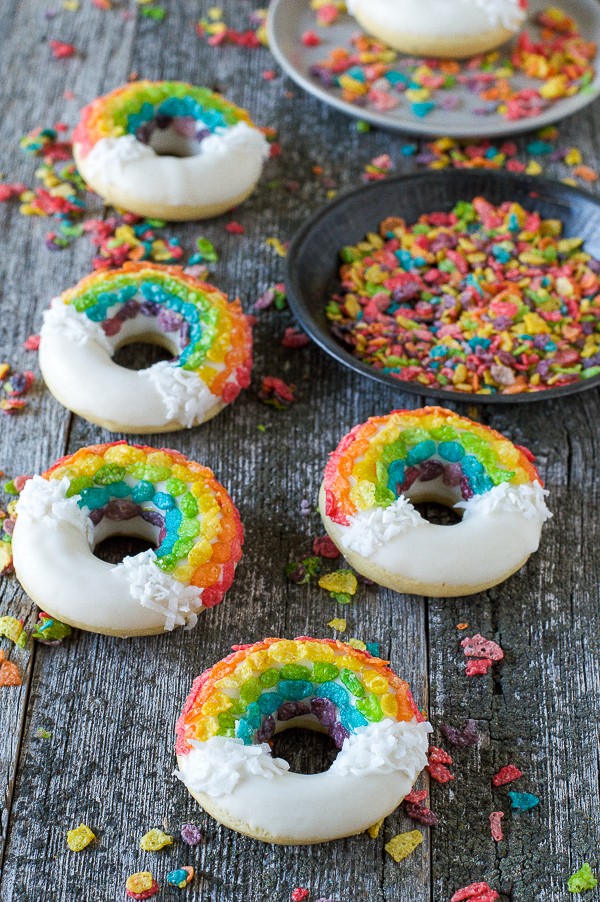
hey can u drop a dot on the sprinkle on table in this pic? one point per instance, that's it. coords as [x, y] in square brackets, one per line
[437, 760]
[339, 624]
[181, 877]
[462, 737]
[191, 835]
[404, 844]
[12, 629]
[141, 885]
[375, 829]
[79, 838]
[475, 892]
[154, 840]
[523, 801]
[506, 775]
[582, 880]
[496, 825]
[9, 672]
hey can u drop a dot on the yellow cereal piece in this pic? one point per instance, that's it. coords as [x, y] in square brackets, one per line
[10, 626]
[140, 882]
[573, 156]
[404, 844]
[154, 840]
[389, 705]
[284, 652]
[159, 459]
[124, 455]
[259, 660]
[79, 838]
[216, 703]
[279, 248]
[200, 554]
[375, 829]
[375, 682]
[244, 671]
[340, 581]
[358, 644]
[338, 623]
[533, 167]
[206, 729]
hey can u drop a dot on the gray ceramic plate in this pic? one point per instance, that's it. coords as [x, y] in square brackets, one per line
[313, 258]
[289, 19]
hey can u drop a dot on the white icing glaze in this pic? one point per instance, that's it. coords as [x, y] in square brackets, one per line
[227, 165]
[499, 530]
[444, 18]
[52, 547]
[64, 320]
[256, 790]
[159, 592]
[77, 366]
[185, 396]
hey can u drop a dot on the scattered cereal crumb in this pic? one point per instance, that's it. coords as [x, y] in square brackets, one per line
[49, 631]
[62, 50]
[154, 840]
[496, 826]
[293, 338]
[402, 845]
[235, 228]
[299, 894]
[324, 547]
[375, 829]
[506, 775]
[278, 246]
[276, 393]
[181, 877]
[141, 885]
[466, 735]
[437, 759]
[79, 838]
[338, 623]
[42, 733]
[13, 628]
[478, 647]
[32, 343]
[475, 892]
[191, 834]
[341, 582]
[523, 801]
[582, 880]
[462, 626]
[9, 672]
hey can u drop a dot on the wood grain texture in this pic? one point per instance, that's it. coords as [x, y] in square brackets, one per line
[111, 705]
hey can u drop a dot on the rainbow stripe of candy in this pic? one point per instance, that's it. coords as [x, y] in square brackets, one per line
[214, 332]
[200, 533]
[245, 695]
[380, 459]
[129, 108]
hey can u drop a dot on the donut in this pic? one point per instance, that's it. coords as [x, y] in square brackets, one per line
[440, 28]
[210, 338]
[119, 489]
[236, 707]
[168, 149]
[386, 465]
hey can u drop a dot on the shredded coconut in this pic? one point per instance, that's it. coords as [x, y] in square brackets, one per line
[502, 12]
[369, 529]
[185, 396]
[241, 135]
[110, 154]
[45, 499]
[527, 500]
[179, 604]
[64, 321]
[384, 748]
[215, 767]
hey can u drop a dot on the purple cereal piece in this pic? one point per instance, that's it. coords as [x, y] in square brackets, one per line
[153, 517]
[324, 710]
[338, 733]
[122, 509]
[169, 320]
[96, 515]
[465, 488]
[266, 730]
[191, 834]
[289, 710]
[148, 308]
[466, 735]
[452, 474]
[430, 469]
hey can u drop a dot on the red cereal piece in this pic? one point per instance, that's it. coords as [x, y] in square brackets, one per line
[311, 39]
[506, 775]
[62, 50]
[299, 894]
[9, 672]
[8, 191]
[478, 667]
[293, 338]
[438, 758]
[496, 826]
[478, 647]
[32, 343]
[324, 547]
[235, 228]
[416, 796]
[475, 892]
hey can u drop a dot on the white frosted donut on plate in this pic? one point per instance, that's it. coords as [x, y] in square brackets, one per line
[386, 465]
[238, 705]
[209, 337]
[119, 489]
[168, 149]
[442, 28]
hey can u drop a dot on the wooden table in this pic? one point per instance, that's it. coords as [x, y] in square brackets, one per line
[111, 705]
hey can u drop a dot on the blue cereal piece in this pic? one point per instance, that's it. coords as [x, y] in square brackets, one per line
[523, 801]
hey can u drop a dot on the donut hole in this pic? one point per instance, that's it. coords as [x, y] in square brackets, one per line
[306, 750]
[174, 137]
[435, 501]
[118, 539]
[438, 514]
[140, 355]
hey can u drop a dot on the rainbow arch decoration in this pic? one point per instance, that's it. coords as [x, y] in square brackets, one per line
[379, 460]
[247, 694]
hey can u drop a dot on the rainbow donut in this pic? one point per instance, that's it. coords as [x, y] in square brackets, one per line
[126, 490]
[440, 28]
[238, 705]
[209, 337]
[168, 149]
[384, 466]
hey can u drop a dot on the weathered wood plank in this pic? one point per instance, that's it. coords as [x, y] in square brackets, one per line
[111, 706]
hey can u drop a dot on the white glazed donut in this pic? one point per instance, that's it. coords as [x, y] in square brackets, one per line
[384, 466]
[126, 490]
[209, 337]
[440, 28]
[236, 707]
[168, 149]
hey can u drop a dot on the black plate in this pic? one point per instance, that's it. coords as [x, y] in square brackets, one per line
[313, 257]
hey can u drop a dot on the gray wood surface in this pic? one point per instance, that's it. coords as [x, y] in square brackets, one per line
[111, 705]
